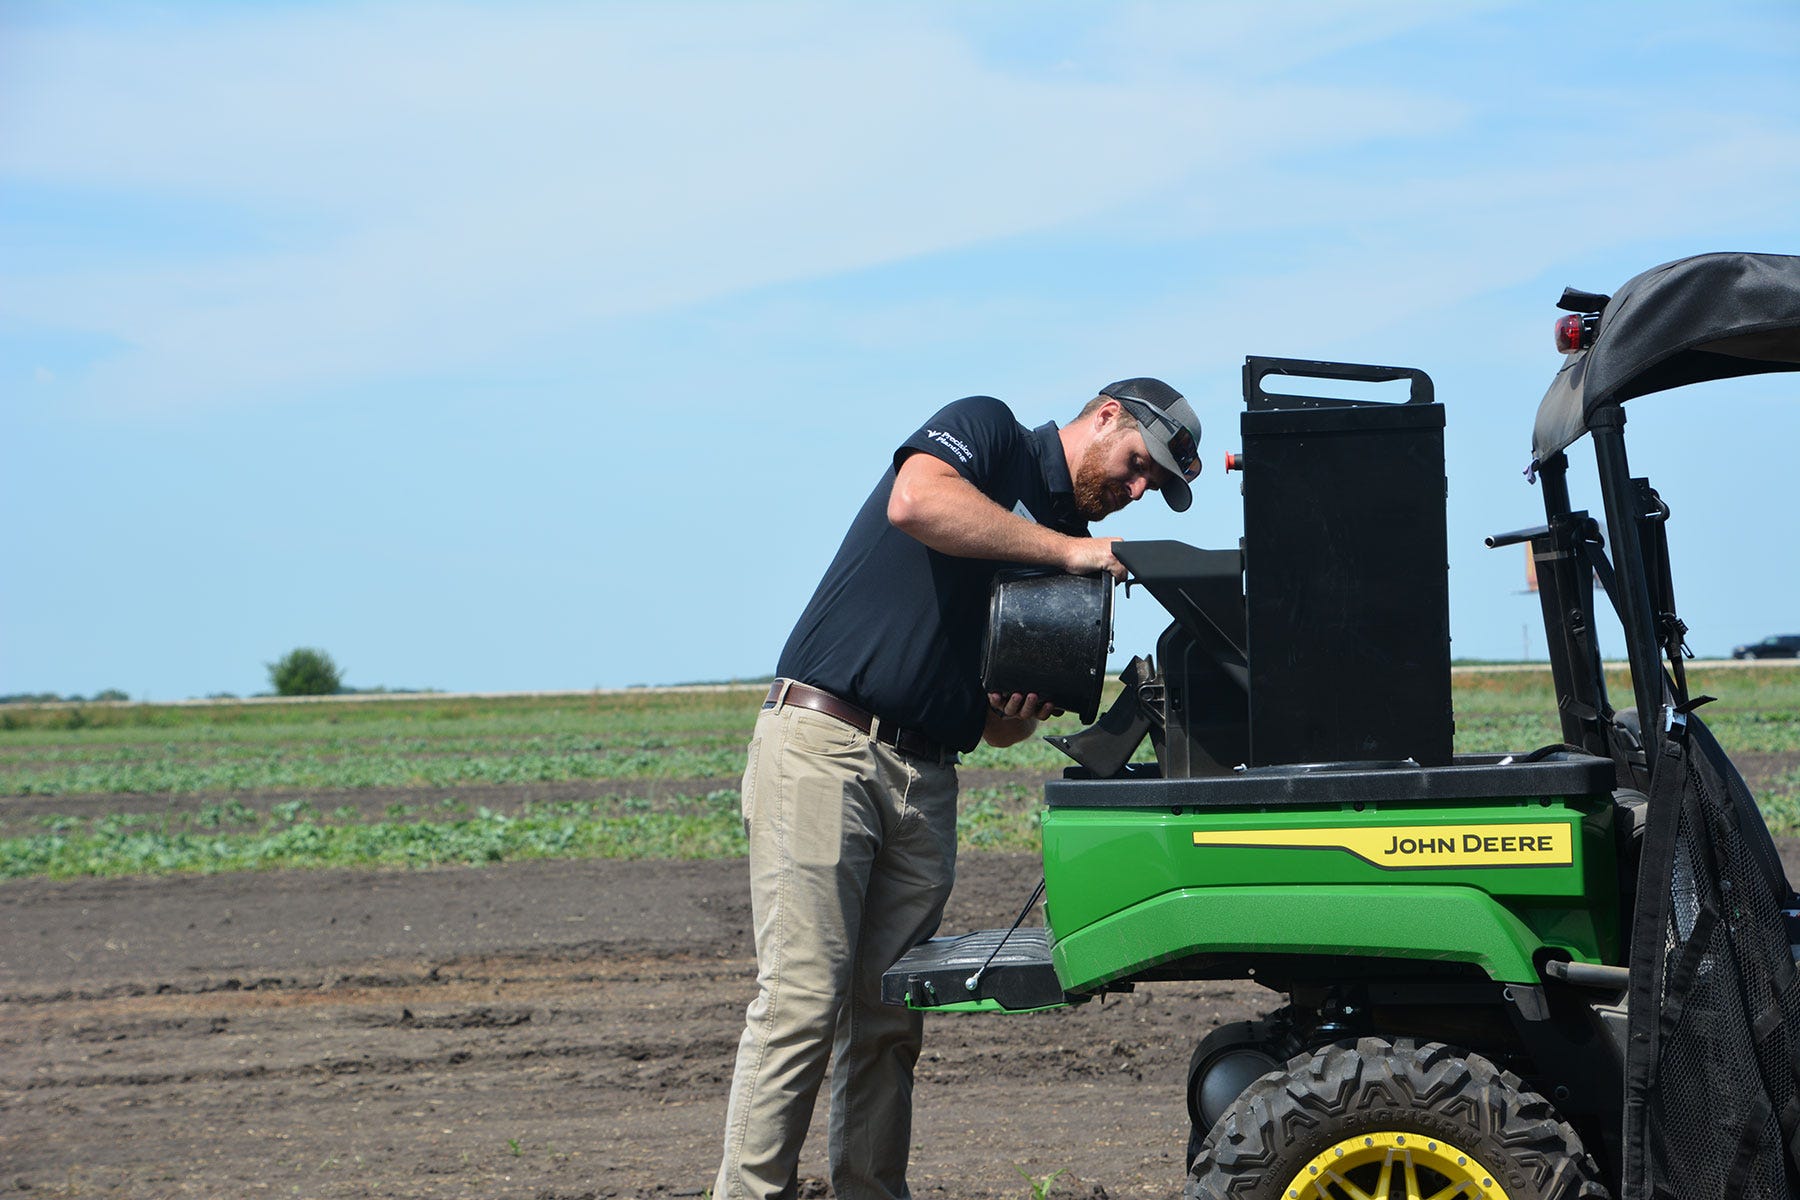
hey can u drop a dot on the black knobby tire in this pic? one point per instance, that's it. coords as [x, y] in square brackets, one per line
[1454, 1111]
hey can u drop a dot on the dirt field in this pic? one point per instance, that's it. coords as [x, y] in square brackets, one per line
[544, 1030]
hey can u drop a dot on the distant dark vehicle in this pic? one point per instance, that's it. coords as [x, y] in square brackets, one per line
[1782, 645]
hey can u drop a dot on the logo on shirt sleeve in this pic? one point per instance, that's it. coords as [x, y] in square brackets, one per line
[952, 443]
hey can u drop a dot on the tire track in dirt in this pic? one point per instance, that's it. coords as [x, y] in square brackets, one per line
[527, 1030]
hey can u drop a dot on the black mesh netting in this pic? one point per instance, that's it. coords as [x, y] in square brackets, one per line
[1713, 1094]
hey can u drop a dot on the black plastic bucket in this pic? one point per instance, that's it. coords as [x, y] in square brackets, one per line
[1049, 633]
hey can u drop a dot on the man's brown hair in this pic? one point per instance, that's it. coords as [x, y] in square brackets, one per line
[1126, 420]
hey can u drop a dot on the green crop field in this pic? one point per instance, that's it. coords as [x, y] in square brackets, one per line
[420, 781]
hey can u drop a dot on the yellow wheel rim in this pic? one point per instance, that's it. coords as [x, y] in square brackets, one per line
[1394, 1165]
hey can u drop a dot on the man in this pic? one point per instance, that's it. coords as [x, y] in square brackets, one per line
[849, 795]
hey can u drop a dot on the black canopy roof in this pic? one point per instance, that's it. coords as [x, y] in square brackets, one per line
[1711, 316]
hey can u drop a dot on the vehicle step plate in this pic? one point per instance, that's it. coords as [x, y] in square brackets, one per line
[936, 973]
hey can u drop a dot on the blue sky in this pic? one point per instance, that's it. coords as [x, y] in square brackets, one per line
[548, 346]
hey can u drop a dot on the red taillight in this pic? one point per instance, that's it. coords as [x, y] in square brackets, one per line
[1568, 333]
[1576, 331]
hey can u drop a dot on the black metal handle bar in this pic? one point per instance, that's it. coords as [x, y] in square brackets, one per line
[1257, 368]
[1496, 540]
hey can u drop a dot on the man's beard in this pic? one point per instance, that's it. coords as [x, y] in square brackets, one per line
[1096, 496]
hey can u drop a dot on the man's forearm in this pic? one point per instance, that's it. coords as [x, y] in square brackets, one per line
[954, 517]
[940, 508]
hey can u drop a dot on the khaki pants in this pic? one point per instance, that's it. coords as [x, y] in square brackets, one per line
[852, 855]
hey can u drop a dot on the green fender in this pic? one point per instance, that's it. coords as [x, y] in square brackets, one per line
[1445, 924]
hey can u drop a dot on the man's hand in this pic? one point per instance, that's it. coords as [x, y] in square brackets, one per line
[1012, 719]
[1088, 555]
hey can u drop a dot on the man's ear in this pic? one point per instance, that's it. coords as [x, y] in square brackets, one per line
[1107, 415]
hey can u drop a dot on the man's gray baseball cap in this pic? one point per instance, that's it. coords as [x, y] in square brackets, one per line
[1171, 432]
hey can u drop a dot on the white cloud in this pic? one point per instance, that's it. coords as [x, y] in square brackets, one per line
[477, 178]
[1268, 39]
[444, 186]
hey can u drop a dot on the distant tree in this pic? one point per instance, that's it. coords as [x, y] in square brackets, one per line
[110, 694]
[305, 672]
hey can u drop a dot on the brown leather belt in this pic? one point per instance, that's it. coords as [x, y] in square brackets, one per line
[799, 695]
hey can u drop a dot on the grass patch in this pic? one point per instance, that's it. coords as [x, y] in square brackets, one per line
[644, 712]
[296, 835]
[1002, 818]
[219, 753]
[233, 837]
[1779, 800]
[292, 767]
[152, 749]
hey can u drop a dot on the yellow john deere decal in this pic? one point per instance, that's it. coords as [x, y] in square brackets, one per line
[1416, 846]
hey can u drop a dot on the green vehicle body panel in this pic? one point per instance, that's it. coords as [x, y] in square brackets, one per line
[1437, 923]
[990, 1006]
[1129, 889]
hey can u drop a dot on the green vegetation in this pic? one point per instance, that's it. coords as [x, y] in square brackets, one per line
[103, 696]
[305, 671]
[651, 775]
[297, 835]
[338, 765]
[1040, 1185]
[181, 749]
[231, 836]
[1758, 709]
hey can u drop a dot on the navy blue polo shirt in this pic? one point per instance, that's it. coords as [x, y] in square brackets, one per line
[895, 627]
